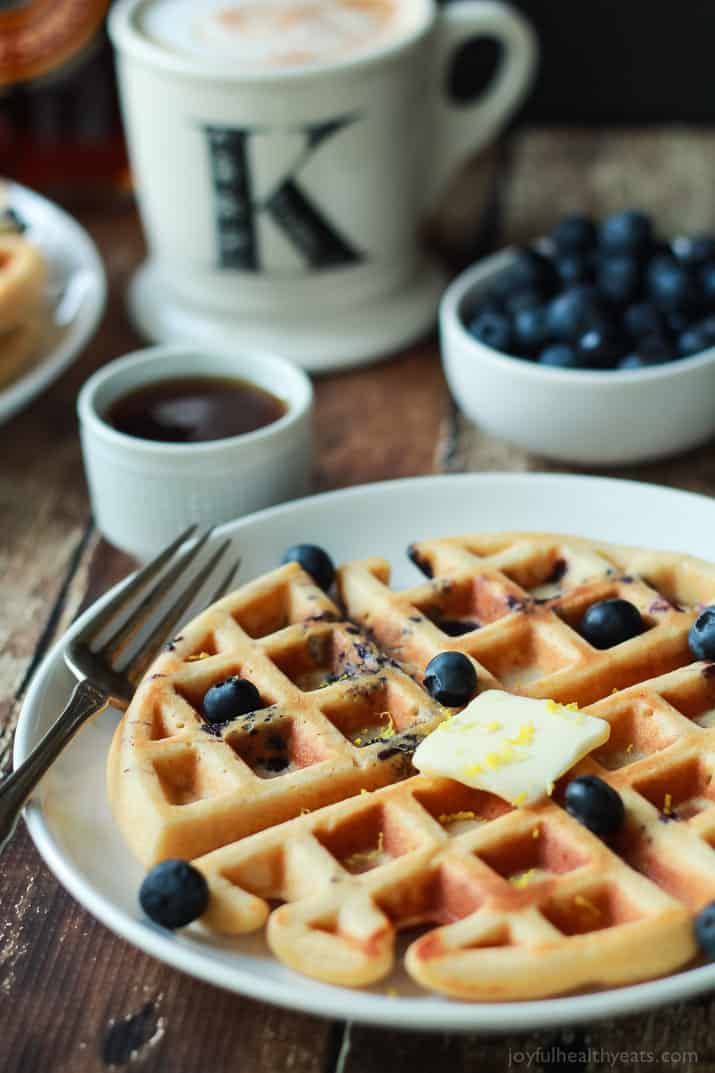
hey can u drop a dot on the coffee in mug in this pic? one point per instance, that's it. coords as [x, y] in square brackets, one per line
[285, 152]
[267, 34]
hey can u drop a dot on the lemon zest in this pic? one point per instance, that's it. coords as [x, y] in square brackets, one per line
[525, 735]
[522, 880]
[585, 903]
[520, 798]
[668, 805]
[473, 769]
[455, 817]
[197, 656]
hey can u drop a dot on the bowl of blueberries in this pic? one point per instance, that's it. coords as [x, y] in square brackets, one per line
[595, 345]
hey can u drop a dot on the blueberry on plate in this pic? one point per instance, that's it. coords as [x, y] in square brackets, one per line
[574, 234]
[561, 356]
[610, 622]
[701, 638]
[314, 560]
[619, 278]
[494, 330]
[571, 312]
[601, 346]
[228, 699]
[642, 318]
[671, 285]
[451, 679]
[694, 251]
[531, 269]
[630, 231]
[595, 804]
[704, 926]
[531, 328]
[173, 894]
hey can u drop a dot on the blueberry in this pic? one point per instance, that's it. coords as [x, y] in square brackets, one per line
[451, 679]
[655, 349]
[694, 251]
[531, 328]
[595, 804]
[650, 350]
[574, 234]
[641, 319]
[228, 699]
[610, 622]
[693, 341]
[173, 894]
[526, 299]
[707, 282]
[704, 926]
[574, 268]
[619, 278]
[701, 638]
[634, 361]
[572, 312]
[601, 346]
[533, 270]
[678, 322]
[494, 330]
[630, 231]
[314, 561]
[671, 285]
[561, 356]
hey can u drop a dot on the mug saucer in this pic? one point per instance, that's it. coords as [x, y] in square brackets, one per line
[337, 340]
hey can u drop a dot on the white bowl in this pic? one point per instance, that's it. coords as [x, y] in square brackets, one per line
[609, 418]
[145, 492]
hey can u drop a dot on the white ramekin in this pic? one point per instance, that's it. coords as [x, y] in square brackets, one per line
[144, 493]
[585, 417]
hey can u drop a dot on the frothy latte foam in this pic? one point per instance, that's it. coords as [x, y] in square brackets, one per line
[270, 34]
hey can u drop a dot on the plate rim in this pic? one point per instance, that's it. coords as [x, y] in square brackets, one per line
[363, 1007]
[21, 392]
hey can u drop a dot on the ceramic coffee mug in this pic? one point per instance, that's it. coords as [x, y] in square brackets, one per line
[282, 200]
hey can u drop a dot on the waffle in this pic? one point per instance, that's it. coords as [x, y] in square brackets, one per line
[180, 787]
[520, 903]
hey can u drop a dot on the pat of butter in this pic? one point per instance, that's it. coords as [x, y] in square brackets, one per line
[514, 747]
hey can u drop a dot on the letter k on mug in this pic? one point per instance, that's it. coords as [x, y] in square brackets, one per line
[285, 152]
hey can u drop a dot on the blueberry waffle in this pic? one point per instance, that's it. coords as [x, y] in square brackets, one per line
[520, 902]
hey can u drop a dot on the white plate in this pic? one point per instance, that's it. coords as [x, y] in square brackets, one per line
[77, 290]
[71, 822]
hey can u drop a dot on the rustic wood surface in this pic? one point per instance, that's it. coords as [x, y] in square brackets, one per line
[75, 999]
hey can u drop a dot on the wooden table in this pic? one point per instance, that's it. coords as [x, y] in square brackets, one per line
[75, 999]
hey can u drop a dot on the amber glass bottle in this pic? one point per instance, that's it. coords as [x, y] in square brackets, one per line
[59, 119]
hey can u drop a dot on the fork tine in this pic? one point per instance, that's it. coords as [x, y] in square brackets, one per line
[140, 579]
[225, 585]
[136, 667]
[115, 644]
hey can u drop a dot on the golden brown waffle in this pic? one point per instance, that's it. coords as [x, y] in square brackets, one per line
[522, 902]
[524, 594]
[180, 787]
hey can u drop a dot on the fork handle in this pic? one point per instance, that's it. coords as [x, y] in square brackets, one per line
[86, 700]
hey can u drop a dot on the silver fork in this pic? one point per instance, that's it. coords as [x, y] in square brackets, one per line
[101, 679]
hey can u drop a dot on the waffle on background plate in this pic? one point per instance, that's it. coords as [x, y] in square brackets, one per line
[312, 800]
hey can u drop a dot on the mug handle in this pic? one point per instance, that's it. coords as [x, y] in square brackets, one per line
[463, 128]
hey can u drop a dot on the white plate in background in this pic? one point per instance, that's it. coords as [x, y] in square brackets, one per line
[77, 290]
